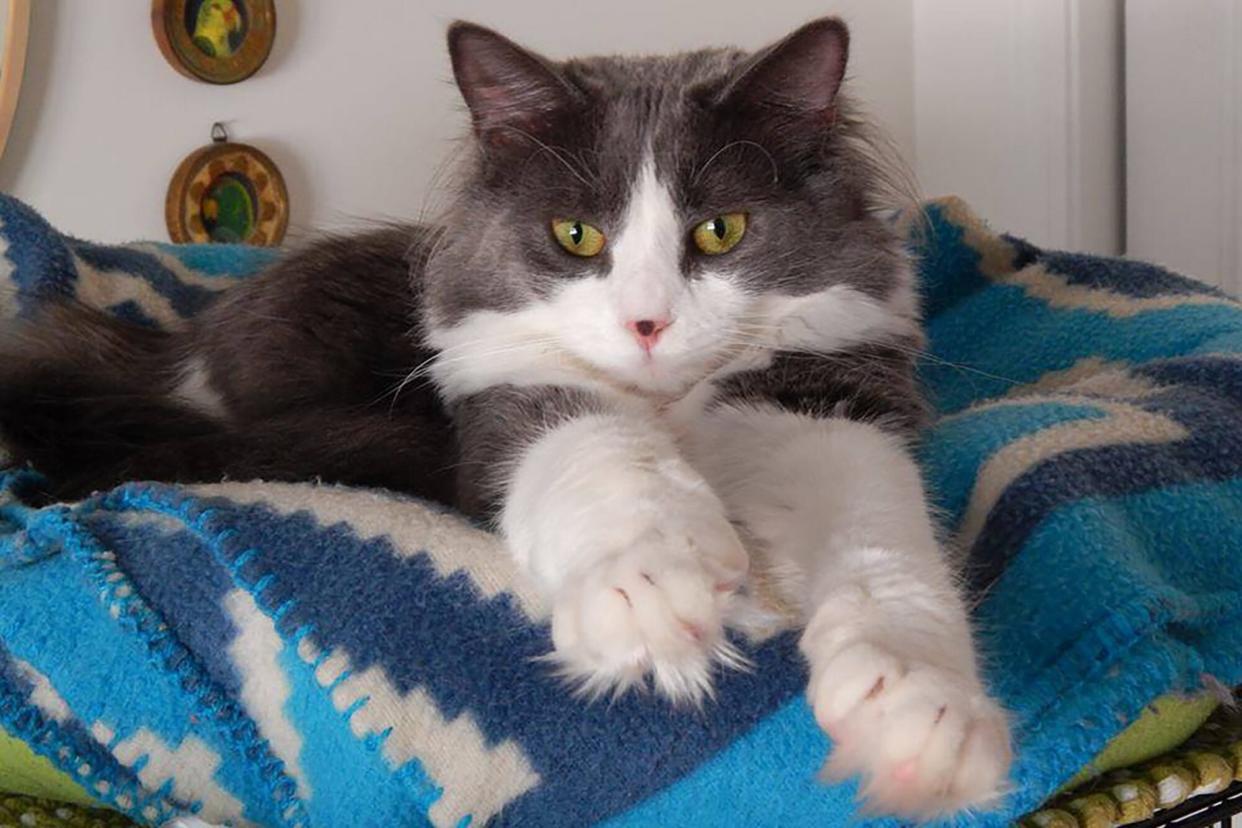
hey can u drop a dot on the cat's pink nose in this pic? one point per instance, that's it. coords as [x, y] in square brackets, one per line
[647, 331]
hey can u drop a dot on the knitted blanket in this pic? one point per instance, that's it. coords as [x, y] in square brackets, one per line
[306, 655]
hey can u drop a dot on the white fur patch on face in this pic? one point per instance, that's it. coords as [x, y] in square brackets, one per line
[646, 282]
[579, 335]
[830, 320]
[646, 278]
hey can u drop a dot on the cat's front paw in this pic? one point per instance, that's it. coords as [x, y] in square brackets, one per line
[926, 740]
[655, 608]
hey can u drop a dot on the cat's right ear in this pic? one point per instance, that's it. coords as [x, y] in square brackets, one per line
[794, 81]
[513, 94]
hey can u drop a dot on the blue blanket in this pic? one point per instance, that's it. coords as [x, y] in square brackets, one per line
[306, 655]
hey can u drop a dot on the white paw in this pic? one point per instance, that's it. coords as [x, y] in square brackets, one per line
[634, 549]
[655, 609]
[927, 741]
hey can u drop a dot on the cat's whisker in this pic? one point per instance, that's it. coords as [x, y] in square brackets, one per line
[422, 370]
[555, 153]
[918, 354]
[740, 143]
[458, 354]
[748, 333]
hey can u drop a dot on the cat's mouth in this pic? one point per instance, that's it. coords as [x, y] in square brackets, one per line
[652, 387]
[661, 379]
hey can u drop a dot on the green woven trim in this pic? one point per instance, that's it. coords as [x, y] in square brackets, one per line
[28, 812]
[1208, 762]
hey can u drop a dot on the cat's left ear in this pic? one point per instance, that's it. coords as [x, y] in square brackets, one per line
[513, 94]
[797, 77]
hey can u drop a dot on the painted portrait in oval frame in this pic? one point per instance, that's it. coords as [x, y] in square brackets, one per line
[217, 41]
[229, 193]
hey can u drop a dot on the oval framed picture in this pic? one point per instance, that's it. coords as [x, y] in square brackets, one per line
[217, 41]
[230, 193]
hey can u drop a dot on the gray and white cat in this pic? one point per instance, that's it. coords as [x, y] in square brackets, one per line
[660, 319]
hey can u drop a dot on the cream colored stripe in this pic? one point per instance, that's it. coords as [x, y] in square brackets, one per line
[42, 694]
[1091, 376]
[997, 257]
[1014, 402]
[99, 289]
[265, 689]
[1057, 291]
[1125, 424]
[191, 766]
[477, 780]
[998, 261]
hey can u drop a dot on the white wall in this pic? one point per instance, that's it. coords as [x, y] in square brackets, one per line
[1184, 122]
[1018, 109]
[355, 103]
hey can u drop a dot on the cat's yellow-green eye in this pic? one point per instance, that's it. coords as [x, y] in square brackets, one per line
[577, 237]
[720, 234]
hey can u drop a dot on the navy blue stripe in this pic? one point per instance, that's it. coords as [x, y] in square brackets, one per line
[1141, 280]
[1205, 397]
[1131, 278]
[186, 299]
[42, 265]
[130, 311]
[178, 577]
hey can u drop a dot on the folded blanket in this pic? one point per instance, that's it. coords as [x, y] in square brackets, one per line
[303, 655]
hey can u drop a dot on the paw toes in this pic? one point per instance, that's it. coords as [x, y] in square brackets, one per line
[717, 545]
[984, 760]
[644, 613]
[859, 674]
[923, 739]
[911, 724]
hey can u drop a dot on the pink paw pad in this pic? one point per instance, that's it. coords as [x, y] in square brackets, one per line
[906, 771]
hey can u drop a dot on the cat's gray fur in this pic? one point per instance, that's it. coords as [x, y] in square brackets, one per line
[309, 357]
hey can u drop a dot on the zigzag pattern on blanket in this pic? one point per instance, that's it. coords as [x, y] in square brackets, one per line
[291, 655]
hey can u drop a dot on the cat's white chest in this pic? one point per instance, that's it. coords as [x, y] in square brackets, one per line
[682, 414]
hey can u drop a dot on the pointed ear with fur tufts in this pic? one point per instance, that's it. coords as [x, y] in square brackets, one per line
[795, 79]
[513, 94]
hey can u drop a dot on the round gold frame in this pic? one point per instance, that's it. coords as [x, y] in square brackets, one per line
[179, 49]
[183, 206]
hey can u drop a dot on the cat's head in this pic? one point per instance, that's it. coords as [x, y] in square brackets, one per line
[646, 222]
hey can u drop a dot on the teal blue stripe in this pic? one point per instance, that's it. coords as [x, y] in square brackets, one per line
[1002, 337]
[955, 449]
[768, 777]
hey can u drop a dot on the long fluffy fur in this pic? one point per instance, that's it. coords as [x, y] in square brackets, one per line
[301, 365]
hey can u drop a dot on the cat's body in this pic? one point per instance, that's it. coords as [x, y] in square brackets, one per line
[289, 376]
[660, 312]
